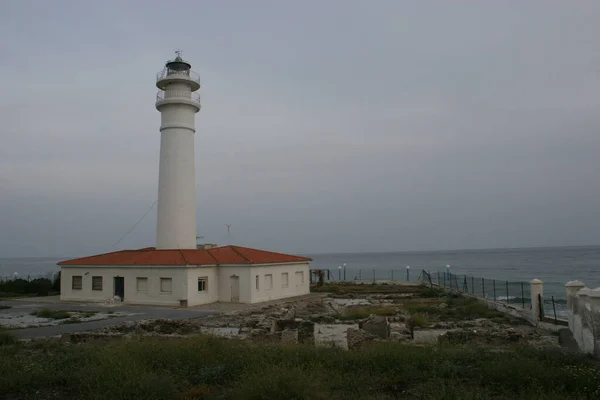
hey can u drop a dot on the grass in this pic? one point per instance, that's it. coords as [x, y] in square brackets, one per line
[72, 320]
[6, 338]
[458, 308]
[4, 307]
[419, 320]
[51, 314]
[212, 368]
[363, 288]
[365, 312]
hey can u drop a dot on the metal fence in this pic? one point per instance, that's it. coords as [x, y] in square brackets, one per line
[367, 274]
[509, 292]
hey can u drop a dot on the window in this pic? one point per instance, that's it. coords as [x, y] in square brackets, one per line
[268, 282]
[141, 285]
[96, 283]
[284, 279]
[202, 281]
[257, 282]
[165, 285]
[77, 282]
[299, 278]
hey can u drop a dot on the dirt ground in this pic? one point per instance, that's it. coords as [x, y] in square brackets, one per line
[347, 316]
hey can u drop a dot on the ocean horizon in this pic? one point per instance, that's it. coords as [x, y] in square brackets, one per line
[553, 265]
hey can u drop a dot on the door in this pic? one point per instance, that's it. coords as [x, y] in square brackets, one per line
[235, 288]
[120, 287]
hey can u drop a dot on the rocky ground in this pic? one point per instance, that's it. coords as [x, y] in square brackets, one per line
[17, 319]
[350, 317]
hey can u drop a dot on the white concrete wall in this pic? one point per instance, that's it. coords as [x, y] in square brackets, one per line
[225, 274]
[129, 273]
[211, 295]
[176, 207]
[185, 283]
[294, 288]
[584, 316]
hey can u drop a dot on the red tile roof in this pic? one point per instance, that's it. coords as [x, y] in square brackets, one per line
[214, 256]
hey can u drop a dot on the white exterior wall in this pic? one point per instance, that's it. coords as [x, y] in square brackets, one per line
[176, 207]
[225, 273]
[584, 316]
[211, 295]
[277, 291]
[185, 283]
[129, 273]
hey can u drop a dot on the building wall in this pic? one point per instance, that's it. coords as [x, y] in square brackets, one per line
[584, 317]
[277, 291]
[185, 283]
[179, 284]
[225, 274]
[211, 295]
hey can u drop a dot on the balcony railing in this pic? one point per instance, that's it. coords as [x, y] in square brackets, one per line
[167, 72]
[175, 94]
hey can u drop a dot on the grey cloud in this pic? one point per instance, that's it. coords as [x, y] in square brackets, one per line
[326, 126]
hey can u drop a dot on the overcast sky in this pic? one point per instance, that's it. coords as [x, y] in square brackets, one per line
[326, 126]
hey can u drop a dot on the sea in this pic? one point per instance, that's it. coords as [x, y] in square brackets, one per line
[553, 265]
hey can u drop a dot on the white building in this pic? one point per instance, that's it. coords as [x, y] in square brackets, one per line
[176, 271]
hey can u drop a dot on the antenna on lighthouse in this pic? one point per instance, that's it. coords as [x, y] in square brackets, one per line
[179, 52]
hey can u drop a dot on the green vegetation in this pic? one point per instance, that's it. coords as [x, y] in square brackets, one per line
[363, 288]
[365, 312]
[87, 314]
[6, 338]
[419, 319]
[457, 308]
[431, 292]
[211, 368]
[52, 314]
[4, 307]
[72, 320]
[35, 287]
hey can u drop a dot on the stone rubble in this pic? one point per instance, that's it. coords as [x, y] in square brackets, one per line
[319, 321]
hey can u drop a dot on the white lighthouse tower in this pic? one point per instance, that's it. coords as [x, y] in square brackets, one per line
[178, 104]
[176, 272]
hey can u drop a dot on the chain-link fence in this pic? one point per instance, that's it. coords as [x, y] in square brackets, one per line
[509, 292]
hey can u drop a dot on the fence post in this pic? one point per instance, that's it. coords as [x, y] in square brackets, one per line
[483, 287]
[438, 281]
[494, 285]
[473, 284]
[554, 308]
[360, 274]
[373, 275]
[572, 288]
[392, 271]
[507, 297]
[537, 291]
[408, 272]
[522, 295]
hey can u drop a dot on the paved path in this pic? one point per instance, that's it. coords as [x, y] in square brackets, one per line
[136, 313]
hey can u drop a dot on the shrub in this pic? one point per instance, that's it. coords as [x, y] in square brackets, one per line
[51, 314]
[6, 338]
[430, 292]
[360, 313]
[213, 368]
[4, 307]
[56, 282]
[419, 320]
[19, 287]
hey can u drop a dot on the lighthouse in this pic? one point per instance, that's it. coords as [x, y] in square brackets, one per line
[178, 102]
[176, 272]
